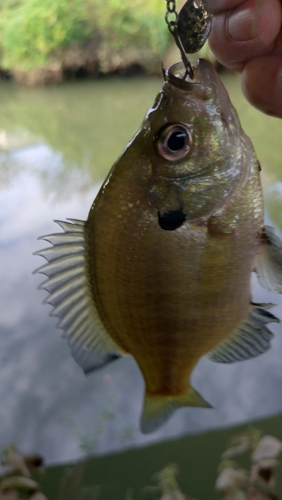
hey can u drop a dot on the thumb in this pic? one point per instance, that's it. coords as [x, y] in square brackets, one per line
[244, 32]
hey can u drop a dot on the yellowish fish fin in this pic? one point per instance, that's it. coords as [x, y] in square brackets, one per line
[69, 295]
[268, 263]
[158, 409]
[249, 340]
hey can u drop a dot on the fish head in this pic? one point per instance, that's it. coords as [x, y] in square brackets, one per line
[194, 144]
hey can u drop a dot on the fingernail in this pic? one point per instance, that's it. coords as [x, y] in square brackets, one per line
[241, 26]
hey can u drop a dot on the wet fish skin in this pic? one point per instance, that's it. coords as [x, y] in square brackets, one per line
[168, 249]
[158, 292]
[170, 326]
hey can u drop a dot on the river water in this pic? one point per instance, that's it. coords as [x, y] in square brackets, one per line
[56, 146]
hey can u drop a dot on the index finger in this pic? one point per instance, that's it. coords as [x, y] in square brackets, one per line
[215, 6]
[247, 31]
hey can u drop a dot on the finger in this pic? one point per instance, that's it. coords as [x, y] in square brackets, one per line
[215, 6]
[277, 50]
[262, 84]
[246, 32]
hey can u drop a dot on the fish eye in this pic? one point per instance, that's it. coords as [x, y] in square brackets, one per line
[174, 142]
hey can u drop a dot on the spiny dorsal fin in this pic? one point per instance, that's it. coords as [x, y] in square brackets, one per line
[158, 409]
[249, 340]
[268, 263]
[69, 295]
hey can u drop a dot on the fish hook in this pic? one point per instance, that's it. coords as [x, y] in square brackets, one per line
[188, 66]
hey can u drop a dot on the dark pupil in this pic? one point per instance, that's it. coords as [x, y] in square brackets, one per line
[176, 141]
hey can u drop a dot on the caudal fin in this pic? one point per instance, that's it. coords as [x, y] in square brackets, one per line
[158, 409]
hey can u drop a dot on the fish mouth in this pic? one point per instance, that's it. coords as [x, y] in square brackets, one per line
[171, 220]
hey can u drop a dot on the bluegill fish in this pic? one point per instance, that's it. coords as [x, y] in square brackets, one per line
[161, 269]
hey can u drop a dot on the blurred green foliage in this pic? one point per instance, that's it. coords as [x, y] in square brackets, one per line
[123, 22]
[34, 29]
[34, 33]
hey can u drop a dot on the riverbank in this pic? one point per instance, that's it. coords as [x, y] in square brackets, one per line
[84, 62]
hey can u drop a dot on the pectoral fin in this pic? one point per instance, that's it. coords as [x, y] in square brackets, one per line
[67, 285]
[249, 340]
[268, 263]
[158, 409]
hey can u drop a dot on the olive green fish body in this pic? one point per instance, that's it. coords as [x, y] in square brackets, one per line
[168, 297]
[161, 269]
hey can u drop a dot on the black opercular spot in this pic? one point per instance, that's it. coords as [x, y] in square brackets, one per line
[171, 220]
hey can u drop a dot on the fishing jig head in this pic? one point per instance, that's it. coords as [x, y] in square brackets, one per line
[190, 28]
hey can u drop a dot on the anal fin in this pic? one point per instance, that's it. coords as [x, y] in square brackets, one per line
[158, 409]
[268, 263]
[249, 340]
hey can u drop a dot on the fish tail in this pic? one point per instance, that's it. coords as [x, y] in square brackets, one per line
[158, 409]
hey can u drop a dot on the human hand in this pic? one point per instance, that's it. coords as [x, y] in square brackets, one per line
[246, 36]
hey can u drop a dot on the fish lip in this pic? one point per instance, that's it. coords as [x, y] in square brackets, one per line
[171, 219]
[176, 72]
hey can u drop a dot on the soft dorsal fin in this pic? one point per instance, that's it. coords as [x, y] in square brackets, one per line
[249, 340]
[67, 285]
[268, 263]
